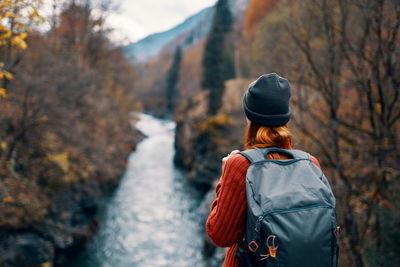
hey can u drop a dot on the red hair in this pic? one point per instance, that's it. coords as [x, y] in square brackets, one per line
[265, 136]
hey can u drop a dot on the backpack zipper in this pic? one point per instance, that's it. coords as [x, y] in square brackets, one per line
[260, 218]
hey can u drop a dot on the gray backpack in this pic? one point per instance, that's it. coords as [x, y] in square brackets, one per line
[291, 216]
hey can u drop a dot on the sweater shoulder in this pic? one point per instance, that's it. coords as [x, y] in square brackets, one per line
[316, 162]
[235, 168]
[238, 160]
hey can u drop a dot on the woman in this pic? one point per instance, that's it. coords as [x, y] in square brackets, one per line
[266, 105]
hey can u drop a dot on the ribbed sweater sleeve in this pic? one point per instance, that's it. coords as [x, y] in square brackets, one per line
[226, 222]
[314, 159]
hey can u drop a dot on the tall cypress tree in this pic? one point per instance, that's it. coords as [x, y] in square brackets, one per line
[217, 61]
[172, 79]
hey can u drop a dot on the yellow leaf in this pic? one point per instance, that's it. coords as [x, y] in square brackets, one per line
[3, 92]
[22, 45]
[7, 199]
[23, 35]
[18, 42]
[6, 35]
[46, 264]
[9, 76]
[386, 142]
[304, 33]
[3, 145]
[61, 160]
[378, 108]
[217, 120]
[35, 11]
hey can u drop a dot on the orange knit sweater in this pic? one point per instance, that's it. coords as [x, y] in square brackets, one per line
[227, 220]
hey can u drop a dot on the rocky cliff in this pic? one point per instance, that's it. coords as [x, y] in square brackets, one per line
[44, 225]
[201, 142]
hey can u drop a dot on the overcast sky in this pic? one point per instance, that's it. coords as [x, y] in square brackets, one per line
[139, 18]
[135, 19]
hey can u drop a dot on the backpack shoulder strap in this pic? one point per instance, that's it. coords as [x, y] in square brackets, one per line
[259, 154]
[254, 155]
[299, 154]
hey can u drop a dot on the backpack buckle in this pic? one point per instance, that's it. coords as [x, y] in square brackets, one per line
[253, 246]
[271, 245]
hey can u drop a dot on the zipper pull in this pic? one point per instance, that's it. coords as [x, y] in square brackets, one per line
[258, 224]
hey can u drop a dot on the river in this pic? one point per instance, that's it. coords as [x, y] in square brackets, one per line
[152, 218]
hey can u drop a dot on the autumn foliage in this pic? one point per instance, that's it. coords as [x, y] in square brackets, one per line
[342, 62]
[16, 19]
[65, 127]
[256, 11]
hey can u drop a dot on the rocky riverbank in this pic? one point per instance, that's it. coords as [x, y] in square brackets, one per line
[202, 141]
[44, 223]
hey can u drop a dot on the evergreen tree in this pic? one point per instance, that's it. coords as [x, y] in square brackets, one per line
[217, 61]
[172, 79]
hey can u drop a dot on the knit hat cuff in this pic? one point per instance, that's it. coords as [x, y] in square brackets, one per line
[266, 120]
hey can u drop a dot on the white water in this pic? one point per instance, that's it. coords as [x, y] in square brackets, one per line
[151, 219]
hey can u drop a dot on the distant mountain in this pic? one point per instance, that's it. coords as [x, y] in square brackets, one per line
[189, 32]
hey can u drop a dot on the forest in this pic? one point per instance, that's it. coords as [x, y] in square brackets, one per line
[65, 101]
[67, 95]
[342, 59]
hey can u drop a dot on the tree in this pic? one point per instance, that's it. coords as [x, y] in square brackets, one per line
[16, 20]
[172, 80]
[64, 125]
[342, 61]
[350, 66]
[217, 60]
[256, 12]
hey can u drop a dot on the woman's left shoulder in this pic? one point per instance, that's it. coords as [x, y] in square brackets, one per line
[315, 160]
[238, 159]
[236, 164]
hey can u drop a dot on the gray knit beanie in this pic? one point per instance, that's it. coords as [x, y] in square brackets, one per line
[266, 102]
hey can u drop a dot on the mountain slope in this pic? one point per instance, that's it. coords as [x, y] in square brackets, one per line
[194, 28]
[189, 32]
